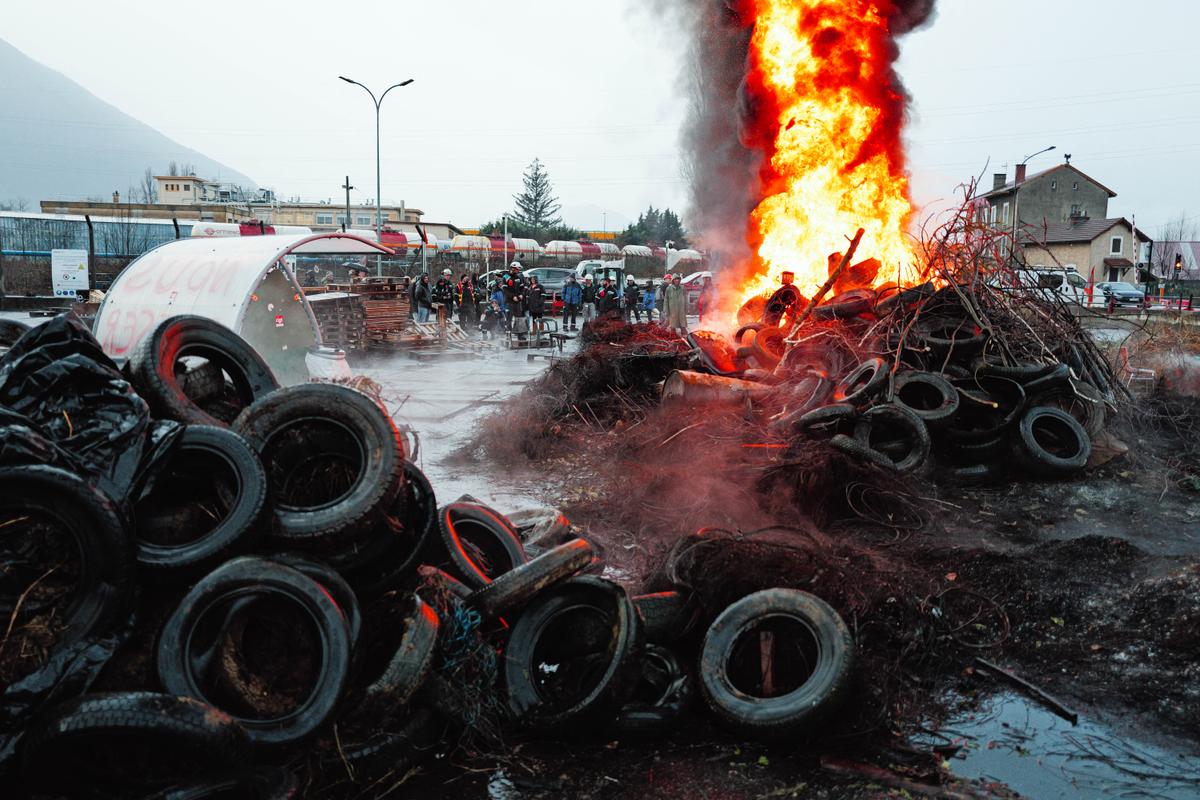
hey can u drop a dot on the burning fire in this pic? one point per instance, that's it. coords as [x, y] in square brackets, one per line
[828, 110]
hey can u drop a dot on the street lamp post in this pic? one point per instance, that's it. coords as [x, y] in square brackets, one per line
[1012, 246]
[378, 172]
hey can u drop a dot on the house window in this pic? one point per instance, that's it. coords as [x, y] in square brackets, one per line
[1076, 210]
[993, 215]
[324, 219]
[1076, 186]
[187, 187]
[341, 219]
[364, 220]
[1054, 186]
[1006, 213]
[1116, 246]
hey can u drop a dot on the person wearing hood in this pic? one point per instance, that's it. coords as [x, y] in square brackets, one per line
[660, 297]
[675, 307]
[535, 302]
[648, 298]
[514, 294]
[423, 296]
[572, 296]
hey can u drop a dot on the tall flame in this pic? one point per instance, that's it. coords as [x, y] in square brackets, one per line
[828, 110]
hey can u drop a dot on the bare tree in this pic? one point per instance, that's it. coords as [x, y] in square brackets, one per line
[18, 204]
[147, 190]
[1181, 229]
[172, 169]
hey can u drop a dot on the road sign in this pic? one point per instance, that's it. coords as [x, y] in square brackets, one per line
[69, 272]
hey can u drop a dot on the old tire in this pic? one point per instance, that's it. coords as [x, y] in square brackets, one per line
[592, 675]
[1079, 399]
[333, 457]
[666, 616]
[827, 417]
[53, 502]
[950, 337]
[863, 383]
[820, 654]
[846, 305]
[389, 553]
[515, 588]
[403, 674]
[220, 596]
[1052, 443]
[478, 543]
[332, 582]
[664, 692]
[236, 491]
[849, 445]
[988, 408]
[928, 395]
[878, 427]
[262, 783]
[154, 361]
[112, 741]
[769, 347]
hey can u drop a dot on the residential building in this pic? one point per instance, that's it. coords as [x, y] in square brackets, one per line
[1098, 249]
[1059, 194]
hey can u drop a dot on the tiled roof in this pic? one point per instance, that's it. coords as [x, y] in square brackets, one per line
[1074, 232]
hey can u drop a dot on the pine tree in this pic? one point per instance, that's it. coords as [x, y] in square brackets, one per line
[537, 207]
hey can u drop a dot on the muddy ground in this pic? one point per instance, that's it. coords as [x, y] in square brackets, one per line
[1088, 589]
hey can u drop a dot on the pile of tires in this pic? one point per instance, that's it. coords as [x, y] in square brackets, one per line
[940, 398]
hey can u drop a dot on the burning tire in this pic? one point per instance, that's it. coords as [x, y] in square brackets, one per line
[896, 432]
[785, 303]
[574, 653]
[333, 457]
[53, 520]
[1052, 443]
[902, 298]
[928, 395]
[285, 634]
[156, 366]
[769, 347]
[116, 740]
[863, 383]
[479, 543]
[809, 668]
[846, 305]
[515, 588]
[210, 474]
[10, 331]
[663, 693]
[753, 327]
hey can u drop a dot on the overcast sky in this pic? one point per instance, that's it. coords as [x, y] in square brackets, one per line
[591, 89]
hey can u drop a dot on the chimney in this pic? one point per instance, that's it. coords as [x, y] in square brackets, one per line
[116, 198]
[1020, 173]
[998, 181]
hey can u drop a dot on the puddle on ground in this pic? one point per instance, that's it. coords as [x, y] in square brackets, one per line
[1011, 740]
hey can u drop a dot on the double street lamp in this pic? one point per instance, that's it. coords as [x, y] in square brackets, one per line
[378, 180]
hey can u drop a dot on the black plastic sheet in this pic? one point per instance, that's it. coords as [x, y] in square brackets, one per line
[71, 395]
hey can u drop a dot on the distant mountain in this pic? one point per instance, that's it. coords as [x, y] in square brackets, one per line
[60, 141]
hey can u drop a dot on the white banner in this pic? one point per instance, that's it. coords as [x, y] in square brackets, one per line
[69, 272]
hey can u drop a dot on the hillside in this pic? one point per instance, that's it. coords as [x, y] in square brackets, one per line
[58, 140]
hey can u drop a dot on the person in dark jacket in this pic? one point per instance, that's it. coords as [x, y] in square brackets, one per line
[493, 319]
[572, 296]
[514, 296]
[443, 291]
[587, 296]
[412, 296]
[632, 301]
[424, 299]
[607, 299]
[465, 296]
[535, 301]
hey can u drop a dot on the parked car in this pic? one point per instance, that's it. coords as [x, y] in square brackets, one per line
[1125, 294]
[1051, 284]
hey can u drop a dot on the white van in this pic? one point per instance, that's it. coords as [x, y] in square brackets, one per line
[1050, 282]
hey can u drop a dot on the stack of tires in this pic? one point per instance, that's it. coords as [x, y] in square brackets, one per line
[939, 387]
[285, 589]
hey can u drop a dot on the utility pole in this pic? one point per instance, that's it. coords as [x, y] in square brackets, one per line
[347, 187]
[506, 242]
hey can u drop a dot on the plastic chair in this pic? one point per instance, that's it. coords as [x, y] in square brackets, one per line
[1130, 373]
